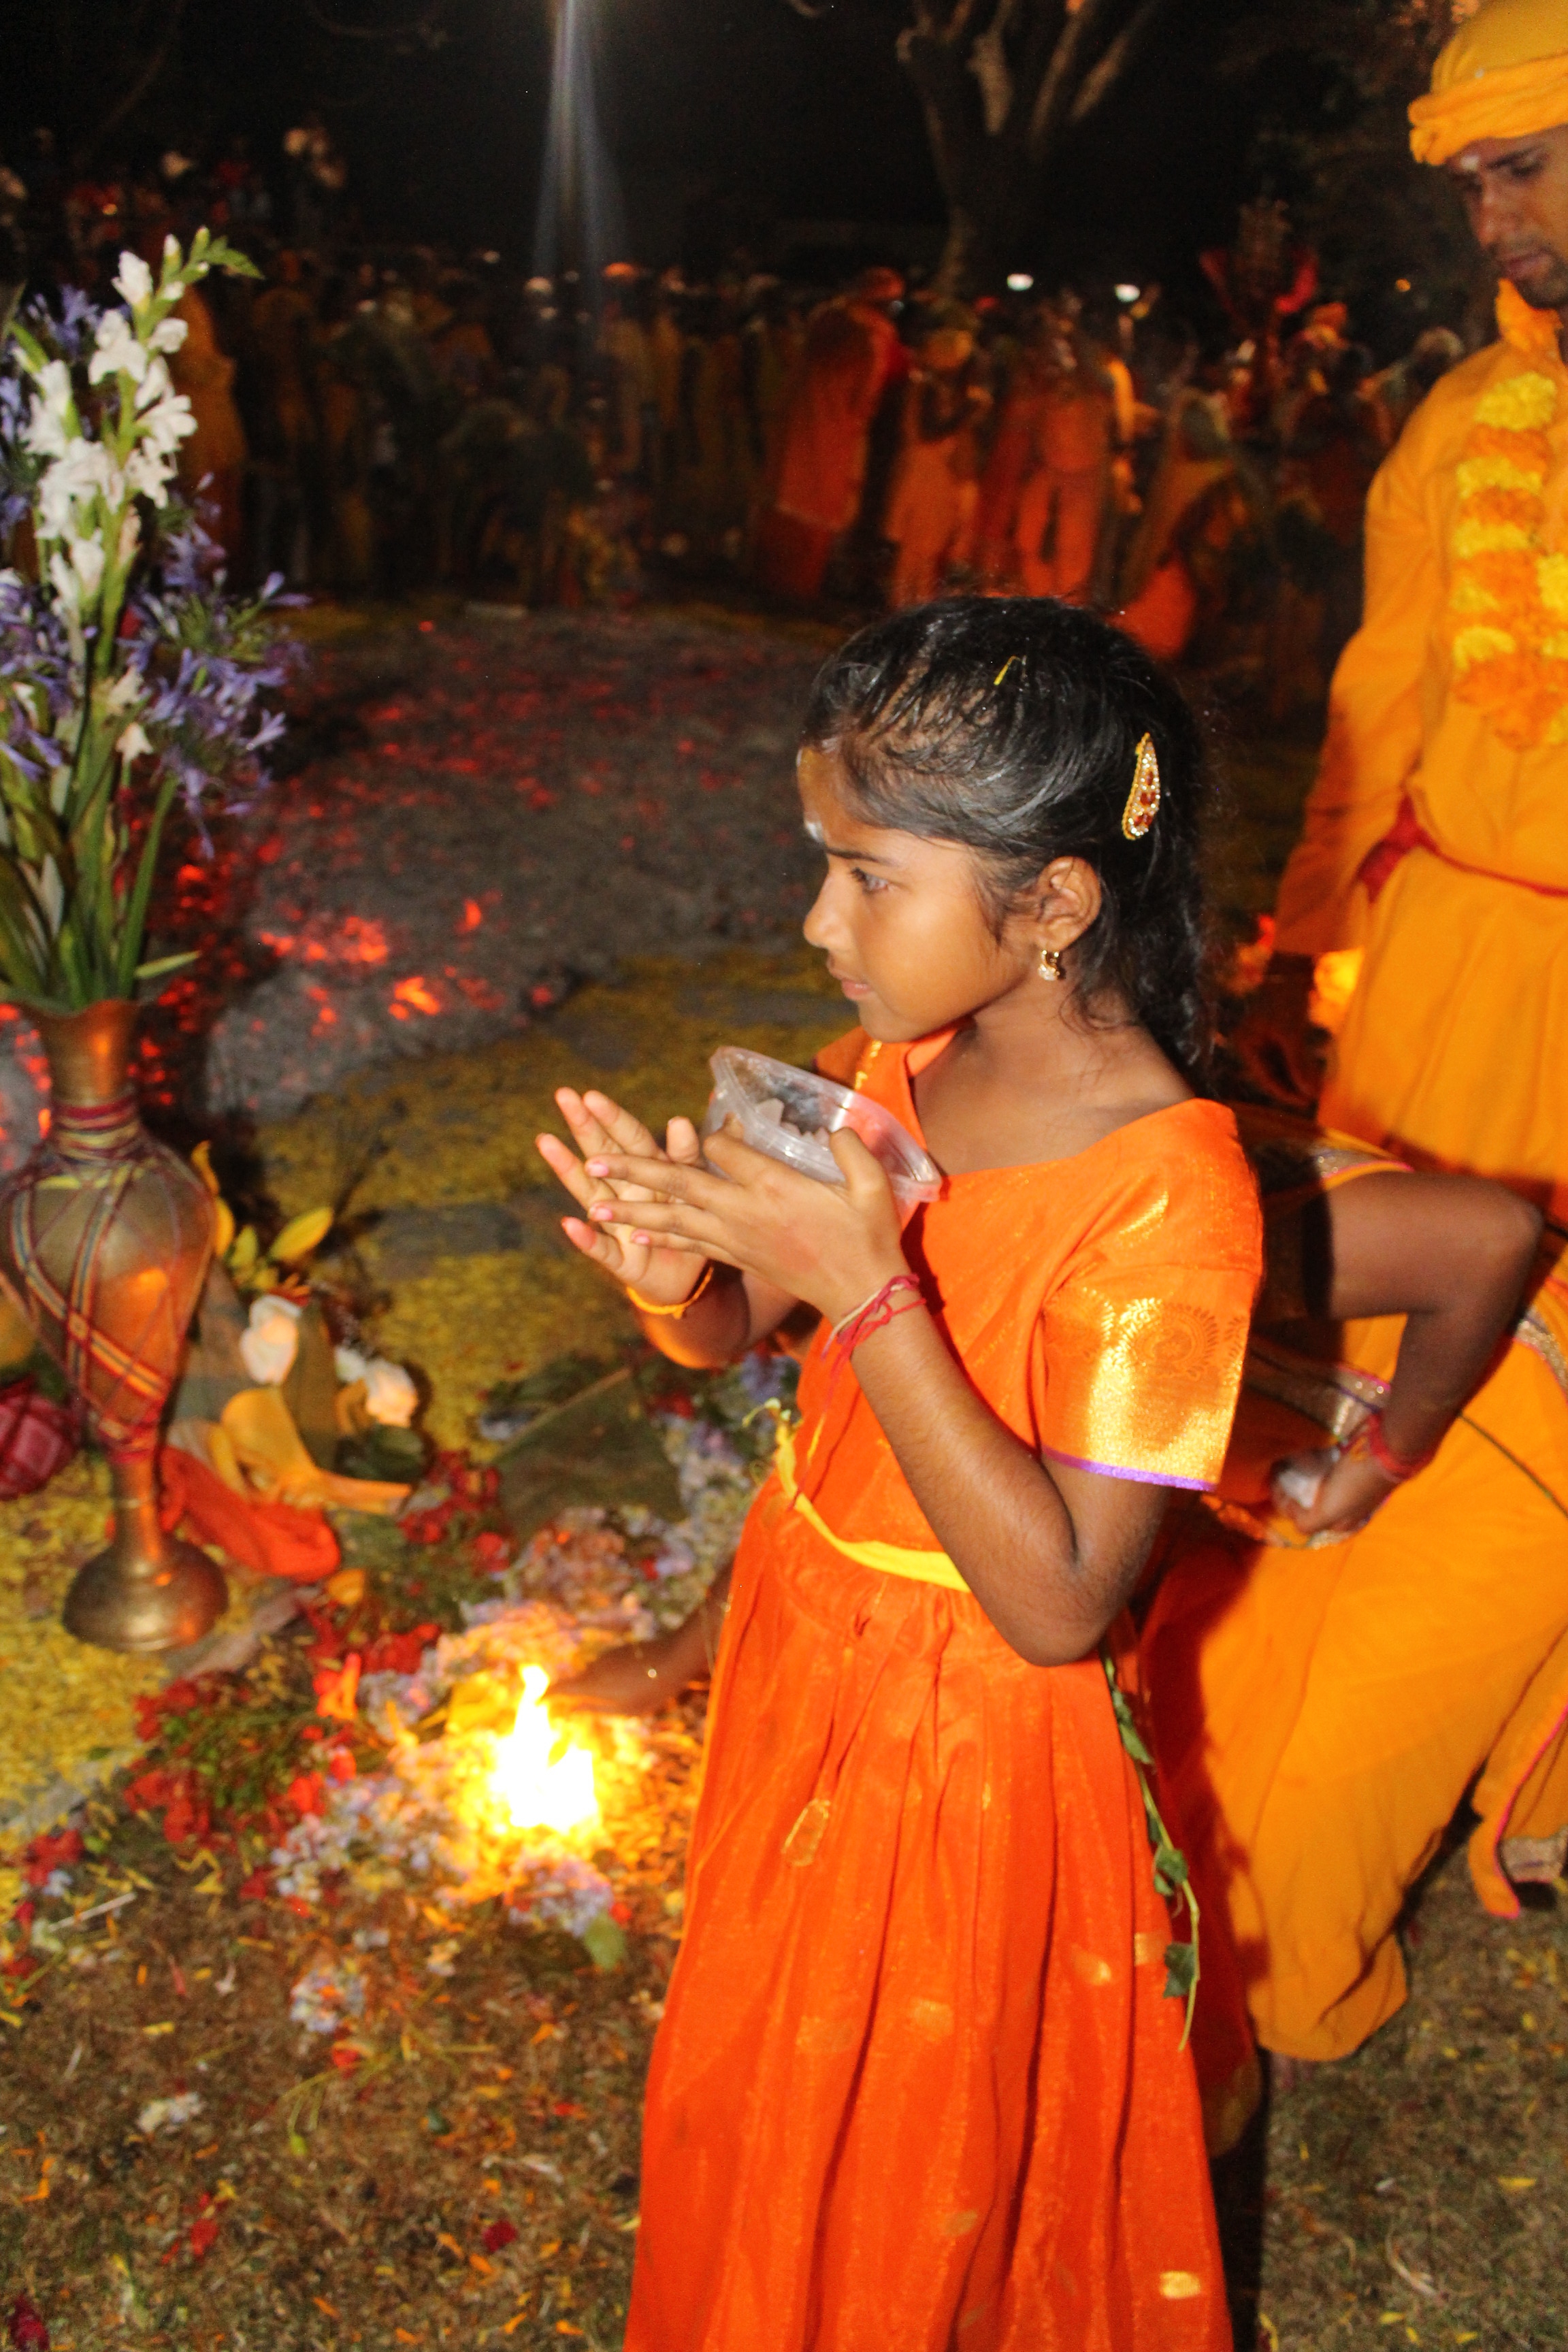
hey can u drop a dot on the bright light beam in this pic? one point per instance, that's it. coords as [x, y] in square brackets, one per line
[580, 223]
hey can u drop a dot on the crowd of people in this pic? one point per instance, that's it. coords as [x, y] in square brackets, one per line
[1208, 491]
[374, 420]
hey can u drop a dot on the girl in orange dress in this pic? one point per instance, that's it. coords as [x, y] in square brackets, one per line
[919, 2082]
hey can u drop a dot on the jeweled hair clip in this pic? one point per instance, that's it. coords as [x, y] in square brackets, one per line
[1143, 800]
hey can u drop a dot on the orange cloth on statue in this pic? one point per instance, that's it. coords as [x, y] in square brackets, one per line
[1319, 1710]
[272, 1539]
[918, 2082]
[1459, 1023]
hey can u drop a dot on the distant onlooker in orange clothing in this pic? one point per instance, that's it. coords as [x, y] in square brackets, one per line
[288, 511]
[625, 345]
[1062, 503]
[213, 459]
[1195, 455]
[461, 346]
[931, 507]
[1009, 459]
[849, 355]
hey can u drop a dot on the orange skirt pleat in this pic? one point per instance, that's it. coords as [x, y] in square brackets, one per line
[918, 2083]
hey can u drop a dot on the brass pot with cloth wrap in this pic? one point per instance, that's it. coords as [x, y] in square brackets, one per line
[105, 1237]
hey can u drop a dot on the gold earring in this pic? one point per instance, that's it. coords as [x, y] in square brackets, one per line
[1143, 800]
[1051, 965]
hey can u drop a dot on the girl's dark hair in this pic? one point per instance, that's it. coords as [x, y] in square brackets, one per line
[1011, 725]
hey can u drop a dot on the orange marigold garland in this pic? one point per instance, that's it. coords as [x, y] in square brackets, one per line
[1508, 601]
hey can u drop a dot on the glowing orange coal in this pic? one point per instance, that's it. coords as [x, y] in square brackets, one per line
[416, 992]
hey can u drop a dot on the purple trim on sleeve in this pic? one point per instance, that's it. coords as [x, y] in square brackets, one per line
[1139, 1477]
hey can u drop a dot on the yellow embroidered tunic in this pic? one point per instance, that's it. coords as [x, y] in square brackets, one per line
[1452, 698]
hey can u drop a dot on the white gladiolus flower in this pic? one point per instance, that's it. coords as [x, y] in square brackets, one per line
[350, 1365]
[170, 250]
[83, 472]
[118, 353]
[87, 558]
[63, 579]
[124, 693]
[134, 744]
[50, 427]
[129, 536]
[390, 1395]
[135, 279]
[267, 1348]
[167, 424]
[156, 383]
[54, 383]
[168, 335]
[47, 435]
[147, 476]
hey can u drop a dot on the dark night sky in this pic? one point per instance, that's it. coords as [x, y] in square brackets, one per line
[782, 117]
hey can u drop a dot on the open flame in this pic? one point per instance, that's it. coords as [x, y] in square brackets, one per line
[544, 1781]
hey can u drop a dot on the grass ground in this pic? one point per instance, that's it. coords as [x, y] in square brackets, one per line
[1418, 2192]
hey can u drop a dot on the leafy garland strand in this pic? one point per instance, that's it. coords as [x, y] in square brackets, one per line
[1171, 1874]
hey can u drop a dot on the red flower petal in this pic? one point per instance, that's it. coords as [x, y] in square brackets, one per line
[26, 2329]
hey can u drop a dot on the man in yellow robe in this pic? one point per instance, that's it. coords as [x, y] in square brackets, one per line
[1436, 837]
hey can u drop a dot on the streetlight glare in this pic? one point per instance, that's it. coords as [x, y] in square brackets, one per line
[1019, 282]
[1128, 293]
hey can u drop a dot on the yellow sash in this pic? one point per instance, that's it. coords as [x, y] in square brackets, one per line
[925, 1567]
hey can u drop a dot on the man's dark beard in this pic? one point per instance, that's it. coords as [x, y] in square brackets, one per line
[1552, 294]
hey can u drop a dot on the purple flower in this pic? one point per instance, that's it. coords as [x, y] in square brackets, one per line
[208, 718]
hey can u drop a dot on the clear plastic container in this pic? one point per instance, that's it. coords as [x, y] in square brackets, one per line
[789, 1114]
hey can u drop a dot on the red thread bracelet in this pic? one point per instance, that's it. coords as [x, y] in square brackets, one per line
[1397, 1468]
[877, 1312]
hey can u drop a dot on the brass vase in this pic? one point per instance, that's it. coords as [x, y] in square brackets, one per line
[105, 1237]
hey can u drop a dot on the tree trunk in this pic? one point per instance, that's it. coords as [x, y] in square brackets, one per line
[998, 104]
[142, 83]
[987, 179]
[982, 242]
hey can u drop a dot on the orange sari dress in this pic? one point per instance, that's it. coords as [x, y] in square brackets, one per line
[1320, 1705]
[918, 2083]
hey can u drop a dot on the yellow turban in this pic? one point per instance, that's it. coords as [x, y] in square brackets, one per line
[1504, 75]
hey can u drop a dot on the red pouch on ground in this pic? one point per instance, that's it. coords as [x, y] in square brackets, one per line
[272, 1539]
